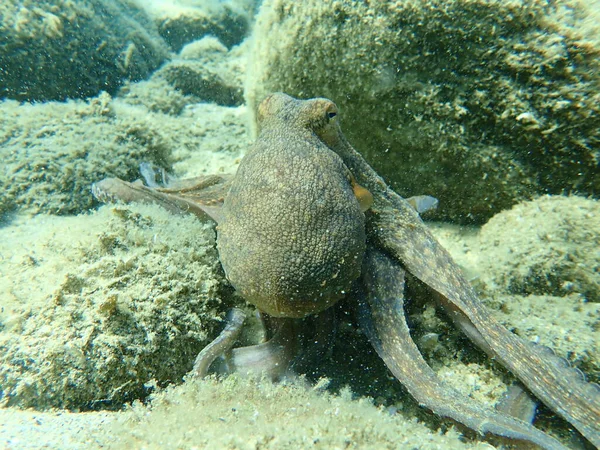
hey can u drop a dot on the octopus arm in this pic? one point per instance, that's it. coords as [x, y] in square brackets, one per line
[201, 196]
[382, 318]
[397, 227]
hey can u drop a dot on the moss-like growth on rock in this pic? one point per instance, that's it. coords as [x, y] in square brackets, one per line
[97, 307]
[249, 414]
[54, 50]
[545, 246]
[481, 103]
[53, 152]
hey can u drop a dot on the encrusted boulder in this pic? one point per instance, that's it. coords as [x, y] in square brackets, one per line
[481, 103]
[54, 50]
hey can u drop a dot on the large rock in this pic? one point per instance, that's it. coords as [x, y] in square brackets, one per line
[480, 103]
[546, 246]
[205, 71]
[54, 50]
[180, 22]
[98, 308]
[53, 152]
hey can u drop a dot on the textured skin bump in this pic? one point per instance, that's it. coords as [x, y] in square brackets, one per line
[292, 235]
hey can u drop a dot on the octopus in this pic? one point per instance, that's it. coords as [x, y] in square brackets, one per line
[305, 222]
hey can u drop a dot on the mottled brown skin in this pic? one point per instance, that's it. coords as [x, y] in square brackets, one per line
[287, 180]
[398, 242]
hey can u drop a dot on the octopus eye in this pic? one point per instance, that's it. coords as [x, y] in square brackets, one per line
[326, 113]
[331, 111]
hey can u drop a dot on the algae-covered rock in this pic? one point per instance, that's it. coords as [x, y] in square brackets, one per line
[546, 246]
[97, 307]
[54, 50]
[53, 152]
[481, 103]
[568, 325]
[180, 22]
[249, 414]
[204, 72]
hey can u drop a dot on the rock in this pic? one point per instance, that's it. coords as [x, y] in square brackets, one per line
[479, 103]
[55, 50]
[181, 22]
[55, 151]
[568, 325]
[202, 48]
[204, 71]
[6, 201]
[546, 246]
[97, 309]
[246, 414]
[157, 95]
